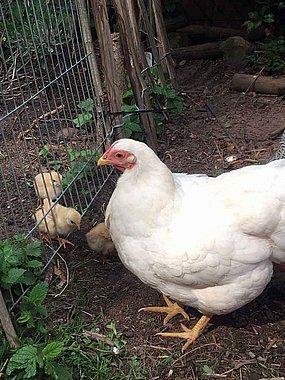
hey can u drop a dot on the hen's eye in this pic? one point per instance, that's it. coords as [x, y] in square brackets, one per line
[119, 155]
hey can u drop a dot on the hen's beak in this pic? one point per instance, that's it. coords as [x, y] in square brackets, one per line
[102, 161]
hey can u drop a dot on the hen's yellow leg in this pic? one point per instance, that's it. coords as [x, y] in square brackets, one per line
[189, 334]
[172, 309]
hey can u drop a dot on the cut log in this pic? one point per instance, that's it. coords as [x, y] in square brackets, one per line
[201, 33]
[261, 85]
[210, 50]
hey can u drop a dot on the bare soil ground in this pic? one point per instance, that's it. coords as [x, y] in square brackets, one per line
[233, 130]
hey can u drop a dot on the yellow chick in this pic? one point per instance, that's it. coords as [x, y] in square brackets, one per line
[47, 226]
[67, 219]
[99, 240]
[60, 221]
[48, 185]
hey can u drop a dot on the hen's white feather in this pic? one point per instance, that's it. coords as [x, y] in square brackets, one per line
[206, 242]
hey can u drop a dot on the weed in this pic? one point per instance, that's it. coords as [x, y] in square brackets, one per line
[271, 55]
[20, 263]
[161, 97]
[34, 27]
[85, 116]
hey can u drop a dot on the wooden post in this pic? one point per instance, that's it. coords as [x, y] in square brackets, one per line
[95, 75]
[135, 61]
[7, 324]
[150, 34]
[162, 36]
[107, 56]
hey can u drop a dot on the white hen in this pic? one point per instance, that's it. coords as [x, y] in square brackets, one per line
[206, 242]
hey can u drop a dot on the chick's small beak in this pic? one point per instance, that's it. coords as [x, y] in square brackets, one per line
[103, 161]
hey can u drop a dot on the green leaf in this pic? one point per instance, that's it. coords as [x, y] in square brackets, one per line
[128, 94]
[53, 350]
[28, 278]
[35, 248]
[207, 370]
[38, 293]
[82, 118]
[157, 90]
[178, 105]
[13, 276]
[127, 132]
[58, 372]
[86, 105]
[25, 358]
[129, 108]
[135, 127]
[24, 317]
[34, 264]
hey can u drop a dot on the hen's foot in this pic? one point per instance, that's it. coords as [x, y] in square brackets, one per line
[172, 309]
[189, 334]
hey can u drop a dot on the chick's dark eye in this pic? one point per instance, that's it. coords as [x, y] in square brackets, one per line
[119, 155]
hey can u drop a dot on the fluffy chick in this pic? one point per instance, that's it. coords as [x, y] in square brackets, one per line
[99, 240]
[47, 225]
[60, 221]
[48, 185]
[67, 219]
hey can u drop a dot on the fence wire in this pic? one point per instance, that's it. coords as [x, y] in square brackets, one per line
[47, 113]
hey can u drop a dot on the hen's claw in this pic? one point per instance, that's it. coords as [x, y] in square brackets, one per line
[172, 309]
[189, 334]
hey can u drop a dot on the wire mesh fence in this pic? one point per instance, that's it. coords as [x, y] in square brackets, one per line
[49, 115]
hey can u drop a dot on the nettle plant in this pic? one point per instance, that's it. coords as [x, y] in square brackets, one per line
[271, 52]
[21, 262]
[162, 97]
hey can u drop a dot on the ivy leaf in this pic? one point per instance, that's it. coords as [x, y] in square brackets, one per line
[25, 358]
[38, 293]
[53, 350]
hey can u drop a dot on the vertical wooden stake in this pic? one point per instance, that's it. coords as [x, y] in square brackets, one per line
[95, 75]
[7, 324]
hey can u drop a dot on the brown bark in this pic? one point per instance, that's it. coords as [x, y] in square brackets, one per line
[262, 85]
[210, 50]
